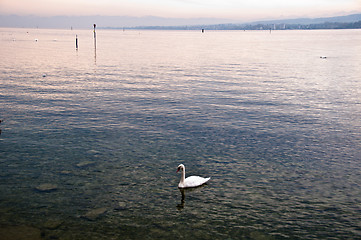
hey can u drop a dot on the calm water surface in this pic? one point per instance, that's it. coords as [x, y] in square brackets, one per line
[276, 127]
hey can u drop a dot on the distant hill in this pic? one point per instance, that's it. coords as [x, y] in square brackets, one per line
[340, 19]
[151, 22]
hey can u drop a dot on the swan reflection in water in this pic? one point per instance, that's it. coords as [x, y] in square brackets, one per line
[183, 192]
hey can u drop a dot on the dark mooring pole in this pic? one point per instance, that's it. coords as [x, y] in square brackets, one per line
[95, 36]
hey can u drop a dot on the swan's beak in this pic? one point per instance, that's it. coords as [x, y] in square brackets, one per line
[178, 169]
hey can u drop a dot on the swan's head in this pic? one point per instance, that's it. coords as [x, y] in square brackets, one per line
[180, 167]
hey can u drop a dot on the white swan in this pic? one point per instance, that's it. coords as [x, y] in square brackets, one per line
[192, 181]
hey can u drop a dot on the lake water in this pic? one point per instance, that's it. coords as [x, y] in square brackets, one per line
[276, 127]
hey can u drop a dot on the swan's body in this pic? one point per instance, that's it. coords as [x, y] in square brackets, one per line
[192, 181]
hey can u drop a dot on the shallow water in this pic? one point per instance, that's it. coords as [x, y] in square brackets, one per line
[276, 127]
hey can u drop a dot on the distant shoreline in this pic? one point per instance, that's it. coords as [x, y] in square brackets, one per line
[319, 26]
[206, 28]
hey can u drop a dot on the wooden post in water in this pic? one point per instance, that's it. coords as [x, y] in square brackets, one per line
[95, 36]
[76, 42]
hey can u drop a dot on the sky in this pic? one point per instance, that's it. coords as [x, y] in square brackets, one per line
[229, 9]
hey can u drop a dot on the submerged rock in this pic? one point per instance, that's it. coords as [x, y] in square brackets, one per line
[52, 224]
[20, 233]
[95, 213]
[46, 187]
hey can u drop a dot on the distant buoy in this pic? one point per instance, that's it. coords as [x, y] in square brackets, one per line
[36, 39]
[44, 75]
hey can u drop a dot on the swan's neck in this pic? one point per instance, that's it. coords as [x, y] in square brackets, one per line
[183, 176]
